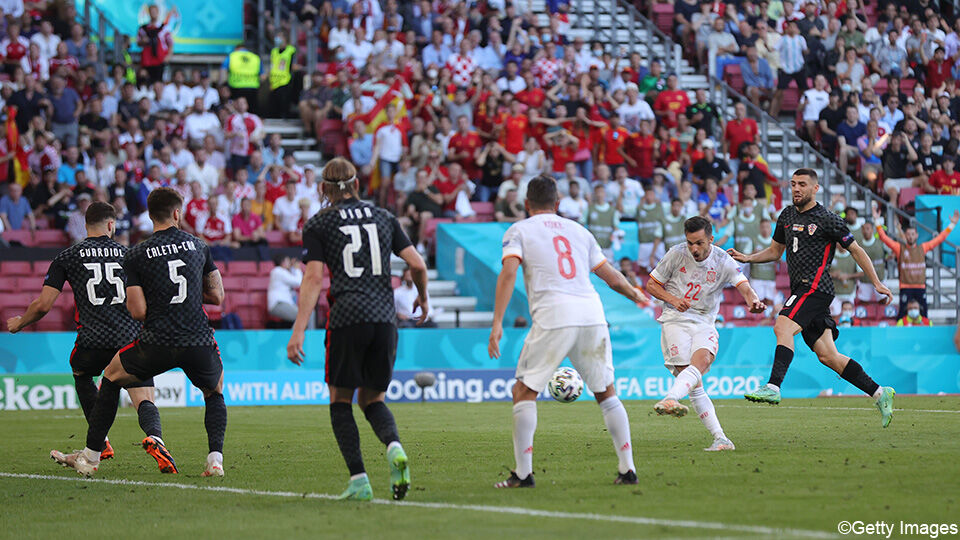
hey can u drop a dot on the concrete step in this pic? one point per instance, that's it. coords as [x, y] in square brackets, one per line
[283, 129]
[453, 303]
[298, 143]
[307, 156]
[438, 289]
[468, 319]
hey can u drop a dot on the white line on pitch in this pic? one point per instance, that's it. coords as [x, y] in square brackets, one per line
[760, 406]
[514, 510]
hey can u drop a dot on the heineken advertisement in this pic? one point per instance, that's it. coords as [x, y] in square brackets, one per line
[43, 392]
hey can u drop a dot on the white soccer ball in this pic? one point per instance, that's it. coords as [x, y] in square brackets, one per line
[566, 385]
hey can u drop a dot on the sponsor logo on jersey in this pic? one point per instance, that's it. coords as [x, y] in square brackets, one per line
[683, 269]
[674, 350]
[812, 228]
[711, 276]
[798, 227]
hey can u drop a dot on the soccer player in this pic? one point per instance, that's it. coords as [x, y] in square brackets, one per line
[169, 277]
[810, 233]
[690, 281]
[93, 269]
[557, 256]
[355, 240]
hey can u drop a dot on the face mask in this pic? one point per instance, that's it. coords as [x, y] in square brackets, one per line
[748, 211]
[913, 313]
[546, 38]
[276, 41]
[847, 314]
[846, 87]
[431, 73]
[838, 208]
[341, 56]
[598, 52]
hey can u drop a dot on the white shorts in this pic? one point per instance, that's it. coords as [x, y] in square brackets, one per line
[679, 340]
[836, 306]
[866, 293]
[899, 183]
[588, 348]
[644, 252]
[766, 289]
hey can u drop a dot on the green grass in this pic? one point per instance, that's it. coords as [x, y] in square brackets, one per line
[798, 466]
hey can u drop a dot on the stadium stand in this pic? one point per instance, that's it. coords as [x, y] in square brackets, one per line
[460, 102]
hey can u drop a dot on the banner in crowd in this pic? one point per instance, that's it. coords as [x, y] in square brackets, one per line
[198, 26]
[34, 370]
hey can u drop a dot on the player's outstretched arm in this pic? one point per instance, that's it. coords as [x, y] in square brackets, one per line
[213, 288]
[310, 290]
[863, 260]
[418, 271]
[771, 253]
[35, 311]
[616, 281]
[750, 297]
[505, 283]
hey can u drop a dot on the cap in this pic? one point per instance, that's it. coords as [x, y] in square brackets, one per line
[709, 144]
[627, 69]
[83, 196]
[204, 74]
[633, 86]
[945, 94]
[518, 167]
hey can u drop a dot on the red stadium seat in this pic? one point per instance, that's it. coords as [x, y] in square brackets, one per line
[234, 283]
[734, 77]
[52, 238]
[15, 268]
[484, 210]
[276, 238]
[791, 98]
[242, 268]
[8, 284]
[258, 283]
[663, 17]
[907, 196]
[264, 268]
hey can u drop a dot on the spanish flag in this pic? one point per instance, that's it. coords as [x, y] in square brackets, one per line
[377, 116]
[21, 171]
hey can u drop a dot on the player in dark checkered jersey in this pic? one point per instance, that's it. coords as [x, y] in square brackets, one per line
[93, 269]
[810, 233]
[169, 276]
[355, 240]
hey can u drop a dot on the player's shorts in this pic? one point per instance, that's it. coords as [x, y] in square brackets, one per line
[92, 362]
[644, 252]
[588, 348]
[810, 310]
[766, 289]
[202, 364]
[361, 355]
[679, 340]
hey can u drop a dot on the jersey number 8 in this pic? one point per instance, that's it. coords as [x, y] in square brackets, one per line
[101, 271]
[568, 269]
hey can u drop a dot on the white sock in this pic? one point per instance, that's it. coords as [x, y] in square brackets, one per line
[524, 426]
[705, 410]
[687, 379]
[158, 439]
[93, 456]
[391, 445]
[215, 457]
[878, 393]
[615, 417]
[358, 476]
[773, 387]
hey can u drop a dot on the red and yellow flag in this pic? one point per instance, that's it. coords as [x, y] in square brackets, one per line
[21, 171]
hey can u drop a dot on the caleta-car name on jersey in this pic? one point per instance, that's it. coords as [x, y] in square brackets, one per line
[355, 213]
[170, 249]
[101, 252]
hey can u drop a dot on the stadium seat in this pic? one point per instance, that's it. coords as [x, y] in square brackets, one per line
[20, 237]
[791, 98]
[264, 268]
[242, 268]
[783, 280]
[663, 17]
[484, 210]
[907, 196]
[258, 283]
[8, 284]
[733, 76]
[15, 268]
[907, 86]
[52, 238]
[276, 238]
[430, 231]
[234, 283]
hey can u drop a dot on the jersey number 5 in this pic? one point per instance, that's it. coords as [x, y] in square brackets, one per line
[100, 271]
[353, 231]
[568, 269]
[178, 280]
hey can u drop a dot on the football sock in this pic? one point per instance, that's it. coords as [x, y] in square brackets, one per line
[781, 363]
[348, 438]
[687, 379]
[103, 414]
[215, 420]
[524, 426]
[381, 420]
[149, 418]
[615, 417]
[86, 393]
[708, 414]
[855, 375]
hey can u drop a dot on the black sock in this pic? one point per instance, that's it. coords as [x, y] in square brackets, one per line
[86, 393]
[381, 420]
[149, 418]
[348, 438]
[781, 363]
[855, 375]
[103, 414]
[215, 420]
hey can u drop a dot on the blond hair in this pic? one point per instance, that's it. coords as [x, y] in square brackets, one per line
[339, 180]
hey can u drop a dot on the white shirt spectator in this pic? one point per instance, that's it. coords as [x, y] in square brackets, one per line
[178, 98]
[403, 298]
[207, 175]
[286, 213]
[390, 50]
[632, 192]
[210, 96]
[12, 8]
[197, 126]
[632, 113]
[815, 101]
[487, 57]
[224, 217]
[359, 52]
[282, 284]
[366, 103]
[339, 38]
[514, 86]
[391, 142]
[102, 178]
[571, 208]
[47, 44]
[182, 159]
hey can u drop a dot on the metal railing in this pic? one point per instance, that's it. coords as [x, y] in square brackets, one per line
[633, 22]
[99, 28]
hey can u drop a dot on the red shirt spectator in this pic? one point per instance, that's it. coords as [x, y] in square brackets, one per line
[155, 39]
[670, 103]
[463, 148]
[247, 225]
[69, 64]
[614, 137]
[946, 183]
[739, 131]
[514, 129]
[195, 208]
[532, 97]
[562, 154]
[214, 229]
[14, 48]
[669, 151]
[938, 69]
[641, 150]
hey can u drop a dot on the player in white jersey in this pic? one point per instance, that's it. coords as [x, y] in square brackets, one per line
[558, 255]
[690, 280]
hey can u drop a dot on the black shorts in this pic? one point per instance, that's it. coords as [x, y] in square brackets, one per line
[202, 365]
[91, 362]
[361, 355]
[784, 78]
[811, 310]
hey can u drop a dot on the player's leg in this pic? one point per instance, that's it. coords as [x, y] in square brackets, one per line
[784, 328]
[849, 369]
[148, 415]
[592, 357]
[345, 347]
[676, 340]
[524, 428]
[86, 364]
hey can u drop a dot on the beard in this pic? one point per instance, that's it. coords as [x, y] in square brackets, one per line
[804, 200]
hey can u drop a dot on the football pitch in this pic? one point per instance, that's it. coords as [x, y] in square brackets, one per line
[799, 470]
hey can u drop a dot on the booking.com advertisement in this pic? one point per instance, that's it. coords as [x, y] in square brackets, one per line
[34, 370]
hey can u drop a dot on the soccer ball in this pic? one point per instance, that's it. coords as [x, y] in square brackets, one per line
[566, 385]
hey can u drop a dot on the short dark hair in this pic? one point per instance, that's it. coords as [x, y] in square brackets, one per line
[698, 223]
[99, 212]
[162, 202]
[542, 192]
[807, 172]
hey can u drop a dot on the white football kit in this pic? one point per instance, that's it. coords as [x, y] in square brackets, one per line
[557, 256]
[701, 284]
